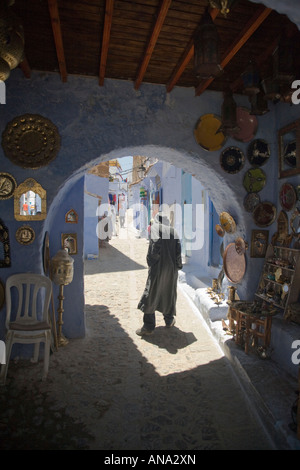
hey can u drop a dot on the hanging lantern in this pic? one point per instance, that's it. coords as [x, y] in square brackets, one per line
[141, 171]
[11, 40]
[229, 118]
[222, 5]
[206, 49]
[251, 79]
[283, 61]
[259, 105]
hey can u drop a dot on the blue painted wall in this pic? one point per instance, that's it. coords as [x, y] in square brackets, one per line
[103, 123]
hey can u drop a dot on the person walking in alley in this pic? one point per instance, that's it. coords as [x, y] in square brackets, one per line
[164, 261]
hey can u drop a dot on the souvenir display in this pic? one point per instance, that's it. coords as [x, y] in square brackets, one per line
[264, 214]
[31, 141]
[282, 237]
[232, 160]
[227, 222]
[5, 261]
[69, 243]
[287, 196]
[8, 185]
[25, 235]
[258, 152]
[254, 180]
[289, 154]
[234, 264]
[207, 133]
[251, 201]
[247, 124]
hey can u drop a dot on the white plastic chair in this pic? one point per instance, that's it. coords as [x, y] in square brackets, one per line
[27, 322]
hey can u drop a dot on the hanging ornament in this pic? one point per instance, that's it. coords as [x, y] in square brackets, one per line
[206, 49]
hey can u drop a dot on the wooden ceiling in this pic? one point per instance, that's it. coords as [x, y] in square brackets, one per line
[145, 41]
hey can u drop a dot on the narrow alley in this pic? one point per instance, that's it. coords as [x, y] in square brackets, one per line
[113, 390]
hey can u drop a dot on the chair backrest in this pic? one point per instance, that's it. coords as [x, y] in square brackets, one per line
[32, 298]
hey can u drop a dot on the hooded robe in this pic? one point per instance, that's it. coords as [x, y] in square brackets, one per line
[164, 260]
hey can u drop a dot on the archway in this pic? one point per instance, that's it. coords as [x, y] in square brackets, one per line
[220, 193]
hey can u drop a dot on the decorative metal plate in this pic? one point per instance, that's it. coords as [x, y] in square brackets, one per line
[234, 264]
[8, 185]
[287, 196]
[25, 235]
[227, 222]
[258, 152]
[251, 201]
[232, 160]
[207, 133]
[264, 214]
[247, 124]
[31, 141]
[254, 180]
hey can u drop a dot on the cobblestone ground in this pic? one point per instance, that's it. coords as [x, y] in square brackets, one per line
[113, 390]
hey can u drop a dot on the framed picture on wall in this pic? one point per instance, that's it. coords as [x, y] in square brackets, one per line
[69, 242]
[71, 217]
[259, 243]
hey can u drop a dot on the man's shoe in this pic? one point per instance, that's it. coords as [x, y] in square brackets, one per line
[171, 324]
[143, 332]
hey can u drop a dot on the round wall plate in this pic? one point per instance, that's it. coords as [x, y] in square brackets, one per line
[251, 200]
[227, 222]
[247, 123]
[25, 235]
[234, 264]
[254, 180]
[232, 160]
[8, 185]
[31, 141]
[207, 133]
[287, 196]
[258, 152]
[264, 214]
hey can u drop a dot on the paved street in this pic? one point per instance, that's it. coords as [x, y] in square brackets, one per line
[114, 390]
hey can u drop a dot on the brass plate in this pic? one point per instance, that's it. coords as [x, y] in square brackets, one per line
[31, 141]
[25, 235]
[234, 264]
[8, 185]
[207, 133]
[227, 222]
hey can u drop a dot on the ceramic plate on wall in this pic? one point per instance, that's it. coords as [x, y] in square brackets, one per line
[247, 123]
[254, 180]
[264, 214]
[227, 222]
[232, 160]
[206, 132]
[251, 201]
[287, 196]
[258, 152]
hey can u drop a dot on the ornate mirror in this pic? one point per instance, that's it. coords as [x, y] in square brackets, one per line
[30, 201]
[289, 150]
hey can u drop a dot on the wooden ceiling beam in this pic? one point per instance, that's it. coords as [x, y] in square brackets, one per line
[185, 58]
[109, 7]
[257, 19]
[165, 5]
[25, 67]
[56, 28]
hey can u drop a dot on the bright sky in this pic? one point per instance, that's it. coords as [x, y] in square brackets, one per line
[126, 163]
